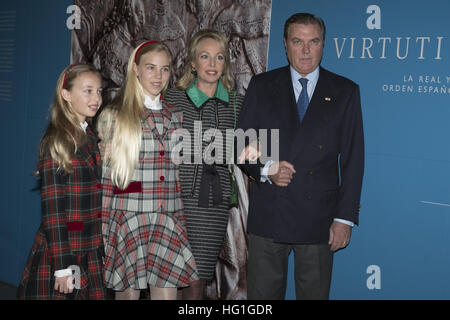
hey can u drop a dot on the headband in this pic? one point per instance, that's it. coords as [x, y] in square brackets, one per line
[68, 71]
[142, 47]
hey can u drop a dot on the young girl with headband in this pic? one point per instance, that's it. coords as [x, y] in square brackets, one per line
[143, 220]
[68, 246]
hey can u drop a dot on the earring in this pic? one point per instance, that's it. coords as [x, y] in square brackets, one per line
[194, 72]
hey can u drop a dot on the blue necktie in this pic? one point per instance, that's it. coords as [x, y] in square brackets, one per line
[303, 100]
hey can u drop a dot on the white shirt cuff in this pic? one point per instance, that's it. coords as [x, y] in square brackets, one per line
[265, 172]
[349, 223]
[63, 273]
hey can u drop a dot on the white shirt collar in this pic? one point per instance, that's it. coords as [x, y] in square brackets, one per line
[84, 125]
[312, 77]
[153, 104]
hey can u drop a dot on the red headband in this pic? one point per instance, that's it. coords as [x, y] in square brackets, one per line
[68, 70]
[142, 47]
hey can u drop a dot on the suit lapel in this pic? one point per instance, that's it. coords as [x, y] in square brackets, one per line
[90, 153]
[284, 110]
[150, 124]
[284, 93]
[167, 119]
[314, 119]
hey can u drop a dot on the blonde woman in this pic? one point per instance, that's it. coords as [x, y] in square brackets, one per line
[204, 94]
[143, 222]
[69, 237]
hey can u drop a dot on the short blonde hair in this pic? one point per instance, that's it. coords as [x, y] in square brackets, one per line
[188, 78]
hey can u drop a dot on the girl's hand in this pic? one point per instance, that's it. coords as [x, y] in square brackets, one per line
[64, 284]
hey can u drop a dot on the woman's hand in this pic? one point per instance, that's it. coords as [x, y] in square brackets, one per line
[250, 153]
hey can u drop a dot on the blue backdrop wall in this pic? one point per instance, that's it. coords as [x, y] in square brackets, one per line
[34, 48]
[397, 51]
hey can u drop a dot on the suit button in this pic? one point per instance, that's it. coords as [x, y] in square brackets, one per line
[161, 178]
[161, 153]
[309, 198]
[320, 147]
[311, 173]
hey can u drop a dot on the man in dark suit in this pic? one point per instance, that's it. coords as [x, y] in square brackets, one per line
[308, 201]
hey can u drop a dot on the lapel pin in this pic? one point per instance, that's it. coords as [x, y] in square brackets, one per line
[327, 99]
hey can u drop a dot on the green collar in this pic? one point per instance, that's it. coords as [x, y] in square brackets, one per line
[199, 98]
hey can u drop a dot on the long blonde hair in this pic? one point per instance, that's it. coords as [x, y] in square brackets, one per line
[64, 133]
[125, 114]
[187, 78]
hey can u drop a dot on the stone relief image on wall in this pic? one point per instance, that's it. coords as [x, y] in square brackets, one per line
[111, 29]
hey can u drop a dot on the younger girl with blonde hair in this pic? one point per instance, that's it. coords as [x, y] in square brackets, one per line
[143, 220]
[68, 245]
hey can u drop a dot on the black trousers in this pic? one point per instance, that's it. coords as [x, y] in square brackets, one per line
[268, 265]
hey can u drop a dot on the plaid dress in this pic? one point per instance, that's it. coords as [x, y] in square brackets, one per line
[144, 226]
[70, 232]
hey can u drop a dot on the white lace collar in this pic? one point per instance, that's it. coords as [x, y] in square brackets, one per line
[153, 104]
[84, 125]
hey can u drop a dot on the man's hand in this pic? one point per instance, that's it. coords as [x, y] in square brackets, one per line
[281, 173]
[339, 235]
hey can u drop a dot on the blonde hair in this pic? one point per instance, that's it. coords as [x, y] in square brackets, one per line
[64, 133]
[187, 78]
[125, 114]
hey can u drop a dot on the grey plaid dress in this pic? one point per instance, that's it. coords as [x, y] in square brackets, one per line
[206, 226]
[143, 225]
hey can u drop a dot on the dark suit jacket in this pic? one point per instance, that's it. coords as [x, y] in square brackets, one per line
[326, 149]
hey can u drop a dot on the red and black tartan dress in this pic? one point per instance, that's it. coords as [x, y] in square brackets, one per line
[70, 231]
[144, 226]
